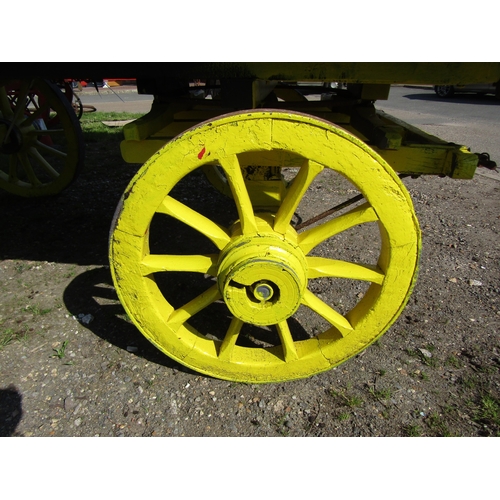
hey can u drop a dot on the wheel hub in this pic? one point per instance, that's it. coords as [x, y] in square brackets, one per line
[11, 139]
[262, 279]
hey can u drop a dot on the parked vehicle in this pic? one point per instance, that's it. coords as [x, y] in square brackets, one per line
[477, 88]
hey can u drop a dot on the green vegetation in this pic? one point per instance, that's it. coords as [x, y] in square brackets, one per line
[413, 430]
[352, 401]
[94, 130]
[36, 310]
[488, 411]
[452, 361]
[437, 425]
[59, 353]
[20, 267]
[6, 337]
[381, 394]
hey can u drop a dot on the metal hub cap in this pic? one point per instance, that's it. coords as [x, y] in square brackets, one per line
[262, 279]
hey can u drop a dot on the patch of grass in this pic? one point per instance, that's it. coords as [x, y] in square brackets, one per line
[437, 425]
[352, 401]
[344, 416]
[488, 411]
[69, 274]
[420, 375]
[380, 394]
[413, 430]
[468, 382]
[95, 131]
[6, 337]
[432, 362]
[452, 361]
[412, 352]
[36, 310]
[20, 267]
[61, 351]
[10, 335]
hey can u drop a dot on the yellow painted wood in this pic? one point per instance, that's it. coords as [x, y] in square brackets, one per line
[264, 266]
[160, 115]
[455, 161]
[211, 230]
[298, 188]
[140, 151]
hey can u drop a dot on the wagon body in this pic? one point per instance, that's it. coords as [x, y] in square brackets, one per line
[243, 86]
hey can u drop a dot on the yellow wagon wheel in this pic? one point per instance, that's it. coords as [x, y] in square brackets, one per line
[41, 141]
[261, 303]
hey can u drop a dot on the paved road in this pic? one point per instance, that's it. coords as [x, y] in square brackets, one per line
[118, 99]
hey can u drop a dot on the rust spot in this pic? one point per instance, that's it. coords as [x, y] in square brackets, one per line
[201, 153]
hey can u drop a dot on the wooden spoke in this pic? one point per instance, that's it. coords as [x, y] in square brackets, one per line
[230, 339]
[217, 234]
[324, 310]
[43, 163]
[232, 169]
[181, 315]
[289, 351]
[206, 264]
[319, 267]
[307, 173]
[50, 150]
[28, 169]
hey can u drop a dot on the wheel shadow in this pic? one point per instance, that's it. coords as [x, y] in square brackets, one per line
[11, 410]
[92, 295]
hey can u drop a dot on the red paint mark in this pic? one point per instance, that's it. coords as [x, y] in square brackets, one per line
[201, 153]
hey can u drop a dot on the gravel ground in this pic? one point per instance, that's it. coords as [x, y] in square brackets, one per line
[71, 364]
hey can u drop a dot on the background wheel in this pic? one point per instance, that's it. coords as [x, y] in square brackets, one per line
[444, 90]
[77, 106]
[41, 141]
[232, 289]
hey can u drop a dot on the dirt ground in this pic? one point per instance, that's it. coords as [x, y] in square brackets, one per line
[72, 364]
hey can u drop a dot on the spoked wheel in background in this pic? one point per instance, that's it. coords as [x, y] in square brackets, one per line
[228, 286]
[41, 141]
[77, 105]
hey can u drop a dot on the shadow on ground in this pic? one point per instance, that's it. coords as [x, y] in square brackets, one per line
[11, 410]
[455, 99]
[92, 293]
